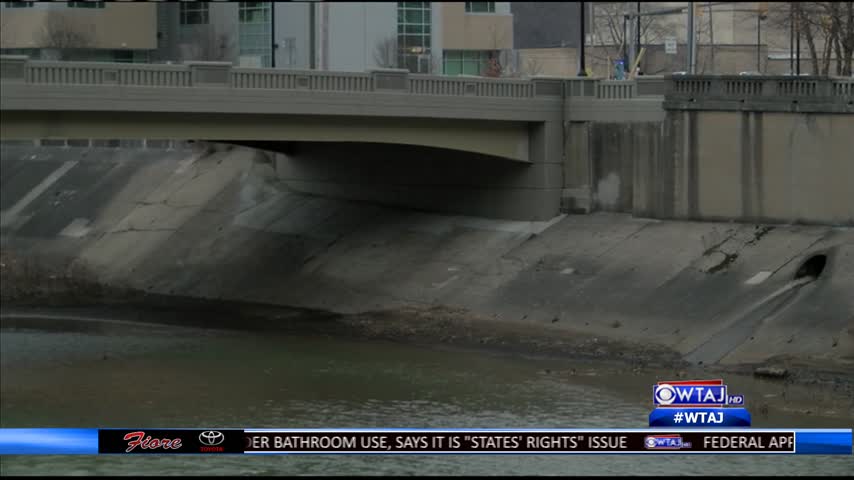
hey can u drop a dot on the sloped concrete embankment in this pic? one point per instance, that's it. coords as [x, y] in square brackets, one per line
[217, 224]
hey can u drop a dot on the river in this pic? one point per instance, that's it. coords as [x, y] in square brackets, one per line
[97, 374]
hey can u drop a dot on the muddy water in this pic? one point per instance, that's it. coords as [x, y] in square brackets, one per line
[100, 374]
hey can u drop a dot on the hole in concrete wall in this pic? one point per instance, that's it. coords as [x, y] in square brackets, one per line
[812, 267]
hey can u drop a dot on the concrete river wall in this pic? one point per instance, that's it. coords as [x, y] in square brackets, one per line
[219, 223]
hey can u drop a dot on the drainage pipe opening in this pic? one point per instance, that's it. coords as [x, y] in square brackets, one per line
[812, 267]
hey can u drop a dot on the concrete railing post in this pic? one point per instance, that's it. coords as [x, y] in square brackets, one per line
[717, 86]
[210, 74]
[769, 87]
[390, 80]
[13, 68]
[548, 86]
[824, 87]
[580, 87]
[650, 85]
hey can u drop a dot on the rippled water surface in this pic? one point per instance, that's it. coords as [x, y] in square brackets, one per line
[143, 376]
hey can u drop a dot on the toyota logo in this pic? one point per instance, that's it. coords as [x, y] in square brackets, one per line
[211, 438]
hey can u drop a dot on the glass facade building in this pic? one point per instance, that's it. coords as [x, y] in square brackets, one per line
[414, 29]
[255, 31]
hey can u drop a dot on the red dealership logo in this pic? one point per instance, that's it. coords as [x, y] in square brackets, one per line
[145, 442]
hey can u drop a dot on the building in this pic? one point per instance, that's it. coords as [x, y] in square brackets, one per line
[452, 38]
[449, 38]
[424, 37]
[545, 24]
[98, 31]
[731, 37]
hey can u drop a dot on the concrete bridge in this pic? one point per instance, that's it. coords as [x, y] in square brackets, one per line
[675, 147]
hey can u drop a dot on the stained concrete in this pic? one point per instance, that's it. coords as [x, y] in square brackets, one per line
[222, 225]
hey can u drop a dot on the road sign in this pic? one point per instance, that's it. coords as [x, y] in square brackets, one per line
[670, 45]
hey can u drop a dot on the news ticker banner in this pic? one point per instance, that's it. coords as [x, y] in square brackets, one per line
[85, 441]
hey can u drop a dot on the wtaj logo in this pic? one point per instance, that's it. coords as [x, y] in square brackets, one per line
[665, 442]
[694, 393]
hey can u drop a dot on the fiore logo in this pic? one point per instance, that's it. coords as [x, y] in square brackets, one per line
[211, 438]
[145, 442]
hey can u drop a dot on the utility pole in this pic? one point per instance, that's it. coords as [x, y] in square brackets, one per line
[638, 27]
[758, 42]
[791, 39]
[712, 38]
[582, 68]
[692, 52]
[798, 42]
[760, 15]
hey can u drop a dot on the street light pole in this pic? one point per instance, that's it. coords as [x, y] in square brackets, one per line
[582, 69]
[273, 34]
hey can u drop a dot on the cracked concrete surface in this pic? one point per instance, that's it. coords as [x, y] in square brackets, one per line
[219, 225]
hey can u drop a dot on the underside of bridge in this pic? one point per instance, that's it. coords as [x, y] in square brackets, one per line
[424, 178]
[498, 169]
[502, 139]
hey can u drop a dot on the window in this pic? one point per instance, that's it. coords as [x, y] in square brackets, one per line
[19, 4]
[414, 28]
[86, 4]
[480, 7]
[194, 13]
[466, 62]
[256, 31]
[289, 48]
[123, 56]
[254, 12]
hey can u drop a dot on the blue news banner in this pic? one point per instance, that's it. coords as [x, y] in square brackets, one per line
[211, 441]
[690, 416]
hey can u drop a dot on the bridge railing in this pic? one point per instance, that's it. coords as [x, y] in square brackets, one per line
[300, 80]
[745, 87]
[766, 93]
[223, 74]
[476, 86]
[98, 73]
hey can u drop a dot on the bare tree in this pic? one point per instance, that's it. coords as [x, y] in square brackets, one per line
[609, 22]
[532, 67]
[499, 59]
[62, 35]
[385, 52]
[208, 44]
[826, 28]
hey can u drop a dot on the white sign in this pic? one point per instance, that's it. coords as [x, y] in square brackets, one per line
[670, 45]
